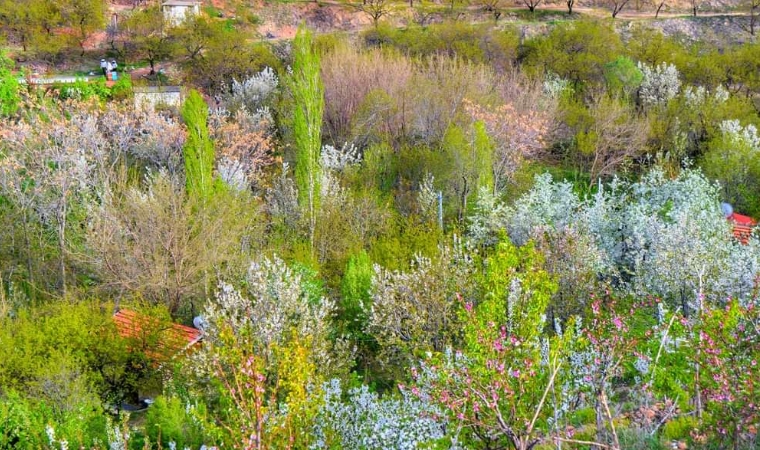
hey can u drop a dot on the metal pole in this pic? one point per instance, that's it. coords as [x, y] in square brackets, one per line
[440, 209]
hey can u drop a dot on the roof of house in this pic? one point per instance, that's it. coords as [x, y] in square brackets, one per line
[741, 219]
[160, 341]
[181, 3]
[743, 226]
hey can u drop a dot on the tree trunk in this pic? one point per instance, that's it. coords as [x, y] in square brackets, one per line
[600, 437]
[659, 7]
[569, 8]
[463, 201]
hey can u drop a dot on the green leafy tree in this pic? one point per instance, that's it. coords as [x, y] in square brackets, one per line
[195, 34]
[171, 419]
[85, 17]
[576, 51]
[355, 291]
[466, 164]
[483, 148]
[9, 95]
[224, 57]
[199, 150]
[622, 76]
[733, 157]
[148, 40]
[496, 385]
[308, 97]
[31, 23]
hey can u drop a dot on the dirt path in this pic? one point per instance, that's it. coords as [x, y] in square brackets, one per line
[360, 21]
[636, 15]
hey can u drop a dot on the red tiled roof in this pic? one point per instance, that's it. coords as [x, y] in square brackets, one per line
[741, 219]
[743, 226]
[160, 341]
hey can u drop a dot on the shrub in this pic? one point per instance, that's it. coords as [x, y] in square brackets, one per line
[84, 90]
[622, 76]
[415, 312]
[679, 428]
[368, 421]
[659, 84]
[349, 76]
[355, 291]
[9, 87]
[253, 93]
[733, 158]
[577, 51]
[170, 420]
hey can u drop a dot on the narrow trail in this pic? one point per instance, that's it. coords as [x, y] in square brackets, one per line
[287, 32]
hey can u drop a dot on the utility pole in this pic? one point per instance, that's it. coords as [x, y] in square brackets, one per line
[440, 209]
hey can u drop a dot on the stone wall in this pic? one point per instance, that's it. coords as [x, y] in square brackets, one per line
[169, 96]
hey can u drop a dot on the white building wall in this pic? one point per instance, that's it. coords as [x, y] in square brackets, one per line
[175, 15]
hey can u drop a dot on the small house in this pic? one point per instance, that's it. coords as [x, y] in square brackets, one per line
[743, 226]
[160, 341]
[176, 11]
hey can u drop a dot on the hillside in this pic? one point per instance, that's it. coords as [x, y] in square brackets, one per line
[378, 226]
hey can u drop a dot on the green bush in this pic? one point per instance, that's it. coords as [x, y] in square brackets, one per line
[21, 425]
[475, 43]
[9, 94]
[122, 89]
[583, 416]
[679, 428]
[212, 11]
[577, 51]
[622, 76]
[62, 353]
[733, 161]
[169, 419]
[355, 291]
[28, 423]
[253, 19]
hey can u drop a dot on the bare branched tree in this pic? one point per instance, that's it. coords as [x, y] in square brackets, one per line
[615, 138]
[617, 6]
[155, 243]
[659, 4]
[753, 18]
[532, 4]
[375, 9]
[493, 7]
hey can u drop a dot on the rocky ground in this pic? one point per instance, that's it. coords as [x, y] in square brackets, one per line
[718, 29]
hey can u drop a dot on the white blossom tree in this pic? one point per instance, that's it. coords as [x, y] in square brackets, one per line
[658, 236]
[368, 421]
[660, 84]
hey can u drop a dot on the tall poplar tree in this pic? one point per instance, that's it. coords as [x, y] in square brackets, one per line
[198, 152]
[308, 97]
